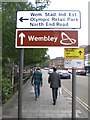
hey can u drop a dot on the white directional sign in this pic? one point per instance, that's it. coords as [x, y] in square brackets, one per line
[57, 19]
[74, 63]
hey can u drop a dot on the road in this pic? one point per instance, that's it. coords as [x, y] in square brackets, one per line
[81, 89]
[81, 86]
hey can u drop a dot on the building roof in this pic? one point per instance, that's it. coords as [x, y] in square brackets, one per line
[58, 58]
[87, 49]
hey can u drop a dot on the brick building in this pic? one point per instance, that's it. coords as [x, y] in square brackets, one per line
[87, 56]
[58, 62]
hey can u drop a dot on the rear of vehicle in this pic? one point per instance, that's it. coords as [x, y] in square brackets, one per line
[81, 72]
[64, 74]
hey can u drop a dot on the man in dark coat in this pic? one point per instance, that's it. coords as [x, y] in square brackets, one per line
[55, 83]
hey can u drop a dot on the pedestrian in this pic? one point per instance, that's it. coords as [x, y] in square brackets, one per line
[55, 83]
[37, 82]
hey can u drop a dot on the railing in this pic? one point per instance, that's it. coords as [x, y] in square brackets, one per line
[12, 90]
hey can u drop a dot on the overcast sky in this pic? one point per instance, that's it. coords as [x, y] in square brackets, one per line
[82, 6]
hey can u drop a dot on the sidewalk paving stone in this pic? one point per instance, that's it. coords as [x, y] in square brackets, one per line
[42, 108]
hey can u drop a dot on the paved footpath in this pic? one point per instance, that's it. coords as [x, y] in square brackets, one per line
[42, 108]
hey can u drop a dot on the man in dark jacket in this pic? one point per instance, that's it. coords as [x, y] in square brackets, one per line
[55, 83]
[37, 82]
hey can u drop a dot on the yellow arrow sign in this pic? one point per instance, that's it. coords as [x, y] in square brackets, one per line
[74, 53]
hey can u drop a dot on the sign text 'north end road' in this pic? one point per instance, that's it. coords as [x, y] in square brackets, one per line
[56, 19]
[48, 38]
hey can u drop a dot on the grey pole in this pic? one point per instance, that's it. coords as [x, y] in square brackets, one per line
[20, 83]
[73, 93]
[88, 57]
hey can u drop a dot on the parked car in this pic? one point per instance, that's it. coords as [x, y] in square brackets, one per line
[81, 72]
[50, 71]
[88, 71]
[46, 68]
[64, 74]
[70, 70]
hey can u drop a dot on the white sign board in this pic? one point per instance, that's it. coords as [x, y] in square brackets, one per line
[74, 63]
[61, 19]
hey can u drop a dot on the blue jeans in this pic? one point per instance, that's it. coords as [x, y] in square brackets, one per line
[37, 91]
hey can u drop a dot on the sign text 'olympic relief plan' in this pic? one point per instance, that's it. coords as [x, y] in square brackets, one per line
[62, 19]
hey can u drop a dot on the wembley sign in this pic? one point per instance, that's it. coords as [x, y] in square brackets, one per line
[45, 38]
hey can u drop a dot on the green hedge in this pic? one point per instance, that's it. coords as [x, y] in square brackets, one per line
[6, 91]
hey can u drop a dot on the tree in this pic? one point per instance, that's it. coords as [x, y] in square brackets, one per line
[35, 55]
[8, 29]
[9, 52]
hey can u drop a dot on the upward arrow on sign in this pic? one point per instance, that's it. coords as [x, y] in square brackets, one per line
[80, 52]
[22, 35]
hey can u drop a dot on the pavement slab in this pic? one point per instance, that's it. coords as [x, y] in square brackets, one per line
[42, 108]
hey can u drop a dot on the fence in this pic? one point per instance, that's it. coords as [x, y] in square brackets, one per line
[12, 90]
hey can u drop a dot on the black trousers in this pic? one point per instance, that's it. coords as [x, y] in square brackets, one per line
[54, 94]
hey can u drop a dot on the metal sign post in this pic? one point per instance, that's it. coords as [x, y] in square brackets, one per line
[74, 59]
[20, 83]
[73, 92]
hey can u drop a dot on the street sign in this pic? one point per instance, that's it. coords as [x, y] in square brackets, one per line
[78, 63]
[74, 53]
[52, 19]
[74, 57]
[45, 38]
